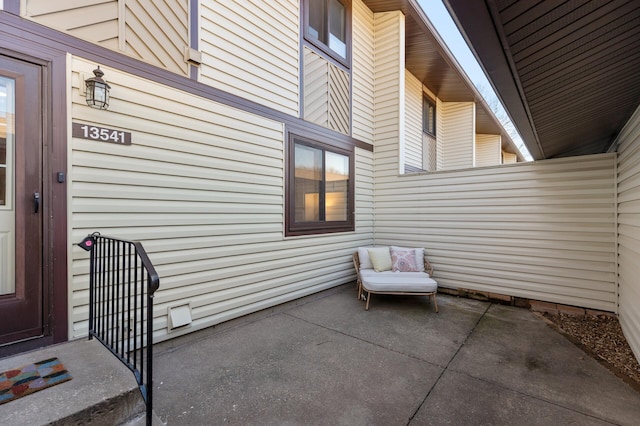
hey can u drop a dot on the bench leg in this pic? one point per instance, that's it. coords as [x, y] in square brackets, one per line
[435, 302]
[366, 307]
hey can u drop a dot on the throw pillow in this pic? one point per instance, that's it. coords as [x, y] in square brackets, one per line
[419, 256]
[403, 260]
[363, 255]
[380, 258]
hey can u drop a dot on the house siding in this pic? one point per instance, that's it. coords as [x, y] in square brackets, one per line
[628, 171]
[541, 230]
[458, 145]
[252, 51]
[440, 134]
[509, 158]
[363, 70]
[154, 32]
[202, 187]
[488, 150]
[326, 93]
[413, 119]
[389, 92]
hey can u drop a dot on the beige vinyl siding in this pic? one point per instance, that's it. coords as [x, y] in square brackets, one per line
[92, 20]
[251, 49]
[362, 72]
[429, 152]
[541, 230]
[326, 93]
[413, 122]
[202, 187]
[316, 82]
[389, 91]
[157, 32]
[488, 150]
[509, 158]
[458, 123]
[154, 32]
[440, 134]
[629, 231]
[364, 196]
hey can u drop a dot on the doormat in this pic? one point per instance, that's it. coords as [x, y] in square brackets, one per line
[31, 378]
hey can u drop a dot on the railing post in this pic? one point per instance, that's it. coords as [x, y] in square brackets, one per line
[92, 261]
[150, 293]
[110, 269]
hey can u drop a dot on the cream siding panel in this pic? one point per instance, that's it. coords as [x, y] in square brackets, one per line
[509, 158]
[413, 119]
[202, 187]
[316, 82]
[92, 20]
[339, 100]
[440, 134]
[362, 72]
[389, 91]
[154, 32]
[458, 123]
[429, 152]
[326, 93]
[158, 32]
[541, 230]
[488, 150]
[628, 169]
[251, 49]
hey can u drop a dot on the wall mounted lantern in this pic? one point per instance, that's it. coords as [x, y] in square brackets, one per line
[97, 90]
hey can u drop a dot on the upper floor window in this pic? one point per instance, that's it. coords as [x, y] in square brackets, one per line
[428, 116]
[326, 26]
[320, 188]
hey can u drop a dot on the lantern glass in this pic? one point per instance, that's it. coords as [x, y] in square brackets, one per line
[97, 90]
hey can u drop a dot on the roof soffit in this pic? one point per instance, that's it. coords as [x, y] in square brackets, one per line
[565, 71]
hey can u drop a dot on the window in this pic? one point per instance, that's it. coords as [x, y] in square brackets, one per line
[320, 188]
[326, 26]
[428, 116]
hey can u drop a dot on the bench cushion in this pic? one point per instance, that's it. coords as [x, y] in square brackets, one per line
[418, 282]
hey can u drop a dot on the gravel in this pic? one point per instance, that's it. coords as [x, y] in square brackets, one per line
[601, 337]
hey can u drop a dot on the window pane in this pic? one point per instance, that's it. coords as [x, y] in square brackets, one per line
[337, 32]
[7, 184]
[429, 116]
[7, 124]
[337, 187]
[317, 17]
[308, 183]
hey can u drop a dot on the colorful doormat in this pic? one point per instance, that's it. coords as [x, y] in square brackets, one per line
[31, 378]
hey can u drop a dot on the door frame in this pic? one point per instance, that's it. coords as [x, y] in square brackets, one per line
[54, 192]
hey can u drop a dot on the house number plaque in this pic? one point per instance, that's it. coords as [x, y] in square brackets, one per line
[100, 134]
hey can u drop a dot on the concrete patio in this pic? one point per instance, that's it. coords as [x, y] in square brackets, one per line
[325, 360]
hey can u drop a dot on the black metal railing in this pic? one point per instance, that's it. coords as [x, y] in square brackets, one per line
[122, 282]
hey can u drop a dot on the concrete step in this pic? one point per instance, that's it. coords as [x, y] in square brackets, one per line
[102, 392]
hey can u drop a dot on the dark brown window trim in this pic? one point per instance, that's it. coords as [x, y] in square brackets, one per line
[425, 99]
[292, 229]
[16, 31]
[12, 6]
[194, 40]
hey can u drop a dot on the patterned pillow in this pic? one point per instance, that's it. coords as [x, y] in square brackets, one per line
[419, 256]
[403, 260]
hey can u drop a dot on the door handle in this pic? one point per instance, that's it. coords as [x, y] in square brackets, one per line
[36, 201]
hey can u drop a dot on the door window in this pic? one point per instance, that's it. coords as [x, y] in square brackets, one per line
[7, 220]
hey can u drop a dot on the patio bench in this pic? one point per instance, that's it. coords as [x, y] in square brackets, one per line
[394, 270]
